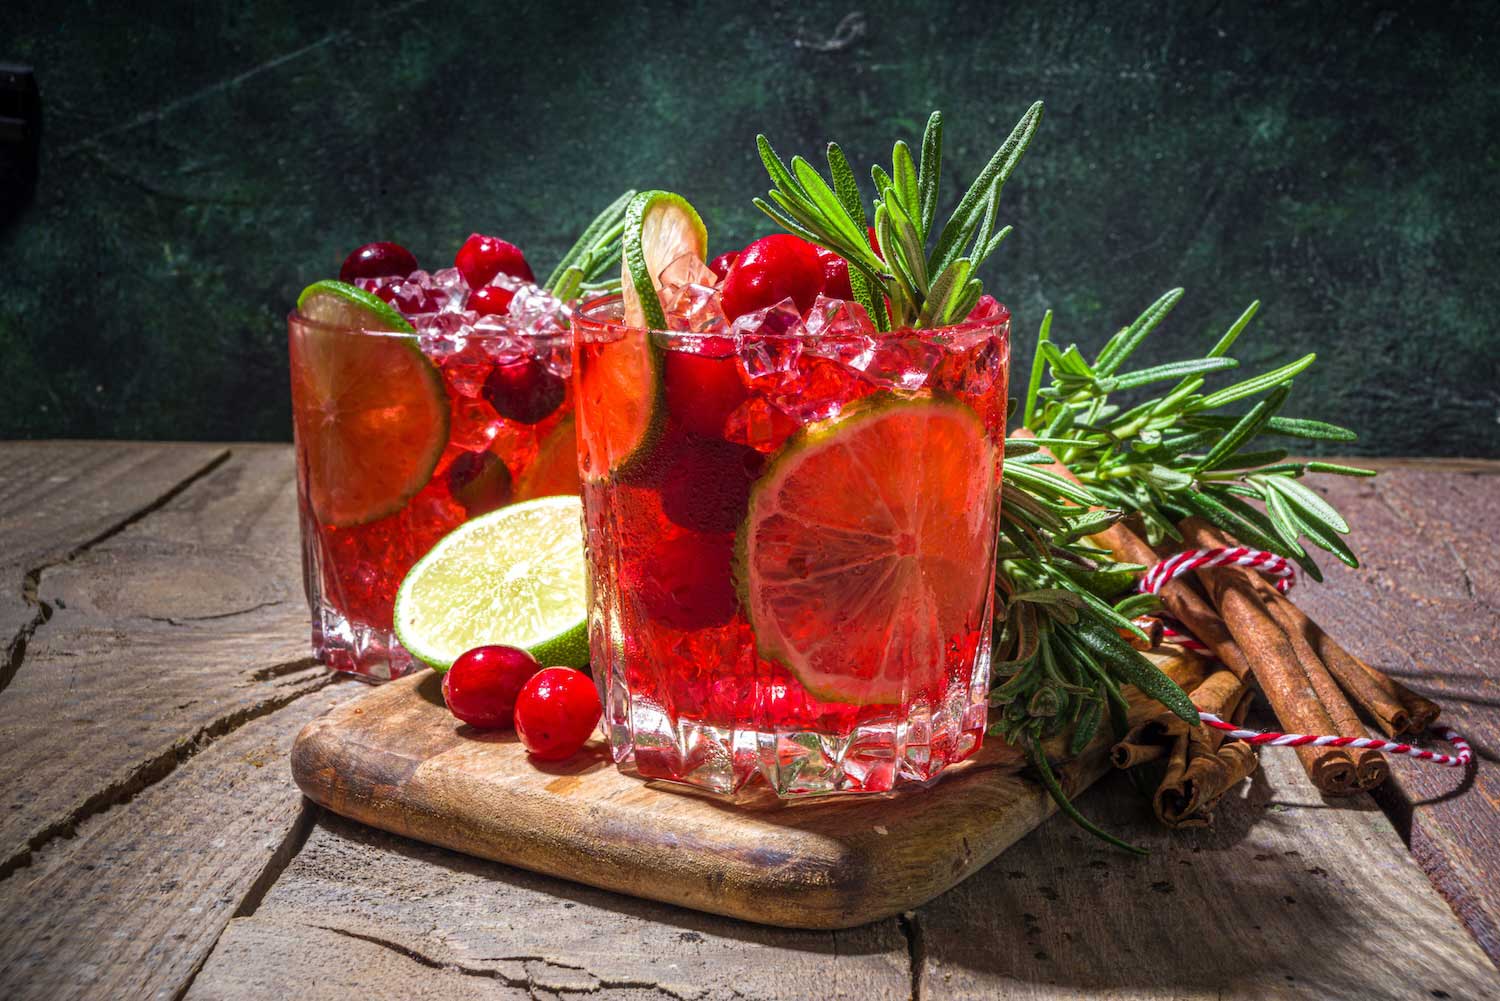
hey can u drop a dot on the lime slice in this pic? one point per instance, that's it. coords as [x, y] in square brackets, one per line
[867, 547]
[620, 405]
[554, 471]
[513, 576]
[659, 228]
[370, 412]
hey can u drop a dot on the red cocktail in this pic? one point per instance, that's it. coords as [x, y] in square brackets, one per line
[791, 523]
[410, 418]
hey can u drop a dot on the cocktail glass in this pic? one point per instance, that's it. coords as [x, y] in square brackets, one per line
[791, 534]
[401, 437]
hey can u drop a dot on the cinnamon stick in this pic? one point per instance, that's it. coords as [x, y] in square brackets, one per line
[1280, 672]
[1370, 767]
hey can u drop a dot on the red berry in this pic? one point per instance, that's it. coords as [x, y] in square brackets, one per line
[557, 712]
[771, 269]
[481, 686]
[524, 391]
[377, 260]
[702, 390]
[491, 300]
[720, 265]
[688, 582]
[480, 481]
[835, 275]
[481, 258]
[707, 487]
[408, 298]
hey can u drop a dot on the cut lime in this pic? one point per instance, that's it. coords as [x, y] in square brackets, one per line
[659, 228]
[619, 392]
[554, 471]
[867, 547]
[514, 576]
[370, 412]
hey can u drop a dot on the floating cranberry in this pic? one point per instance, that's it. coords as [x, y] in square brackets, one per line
[720, 265]
[524, 391]
[702, 390]
[556, 713]
[482, 257]
[407, 297]
[480, 481]
[481, 686]
[687, 582]
[377, 260]
[491, 300]
[835, 275]
[707, 487]
[771, 269]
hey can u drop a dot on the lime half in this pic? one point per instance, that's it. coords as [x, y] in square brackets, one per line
[514, 576]
[370, 411]
[659, 228]
[866, 551]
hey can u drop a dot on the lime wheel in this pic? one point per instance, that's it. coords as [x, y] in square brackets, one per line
[868, 546]
[554, 471]
[370, 412]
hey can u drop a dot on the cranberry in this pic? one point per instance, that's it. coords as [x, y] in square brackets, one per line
[491, 300]
[835, 275]
[707, 487]
[481, 258]
[481, 686]
[771, 269]
[720, 265]
[480, 481]
[557, 712]
[702, 390]
[408, 298]
[377, 260]
[524, 391]
[688, 582]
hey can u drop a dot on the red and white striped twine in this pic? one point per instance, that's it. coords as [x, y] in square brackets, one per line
[1161, 574]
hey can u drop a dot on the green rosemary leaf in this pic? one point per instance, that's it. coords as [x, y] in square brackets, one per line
[783, 219]
[1136, 333]
[1166, 477]
[1308, 502]
[1160, 373]
[993, 244]
[1253, 460]
[950, 284]
[930, 171]
[904, 173]
[1178, 397]
[1107, 644]
[1086, 726]
[1111, 618]
[1320, 536]
[1289, 427]
[1284, 520]
[1338, 470]
[994, 174]
[1247, 428]
[1232, 334]
[781, 177]
[1136, 605]
[1218, 514]
[1041, 479]
[1038, 758]
[832, 207]
[962, 303]
[883, 182]
[846, 186]
[912, 255]
[1017, 447]
[1256, 385]
[605, 220]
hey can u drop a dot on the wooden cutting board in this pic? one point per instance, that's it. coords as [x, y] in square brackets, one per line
[396, 759]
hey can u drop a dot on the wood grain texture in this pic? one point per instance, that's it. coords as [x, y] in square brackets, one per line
[134, 902]
[160, 637]
[1425, 608]
[355, 895]
[1288, 897]
[398, 760]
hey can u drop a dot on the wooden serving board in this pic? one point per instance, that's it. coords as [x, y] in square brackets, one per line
[396, 759]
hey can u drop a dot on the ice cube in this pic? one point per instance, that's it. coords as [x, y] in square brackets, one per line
[838, 318]
[443, 334]
[782, 319]
[694, 308]
[687, 269]
[466, 369]
[450, 289]
[902, 361]
[537, 312]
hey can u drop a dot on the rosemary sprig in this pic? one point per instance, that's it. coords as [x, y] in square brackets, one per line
[905, 283]
[592, 264]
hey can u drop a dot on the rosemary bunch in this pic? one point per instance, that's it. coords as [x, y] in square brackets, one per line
[921, 276]
[592, 264]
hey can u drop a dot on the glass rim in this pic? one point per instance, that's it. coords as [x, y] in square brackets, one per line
[587, 312]
[562, 336]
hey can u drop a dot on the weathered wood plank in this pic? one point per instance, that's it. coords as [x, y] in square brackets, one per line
[1426, 609]
[131, 906]
[58, 496]
[355, 896]
[1288, 897]
[176, 629]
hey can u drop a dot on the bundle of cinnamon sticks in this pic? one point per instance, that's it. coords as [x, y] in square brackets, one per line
[1307, 677]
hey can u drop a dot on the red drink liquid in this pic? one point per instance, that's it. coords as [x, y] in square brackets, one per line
[735, 628]
[499, 426]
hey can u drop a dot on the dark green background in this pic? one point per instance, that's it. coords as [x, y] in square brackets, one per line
[203, 161]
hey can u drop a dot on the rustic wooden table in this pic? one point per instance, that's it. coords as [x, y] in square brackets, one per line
[152, 843]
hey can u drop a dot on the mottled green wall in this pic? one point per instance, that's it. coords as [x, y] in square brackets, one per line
[203, 162]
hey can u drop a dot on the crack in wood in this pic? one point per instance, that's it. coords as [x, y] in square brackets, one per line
[31, 581]
[916, 949]
[150, 772]
[187, 621]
